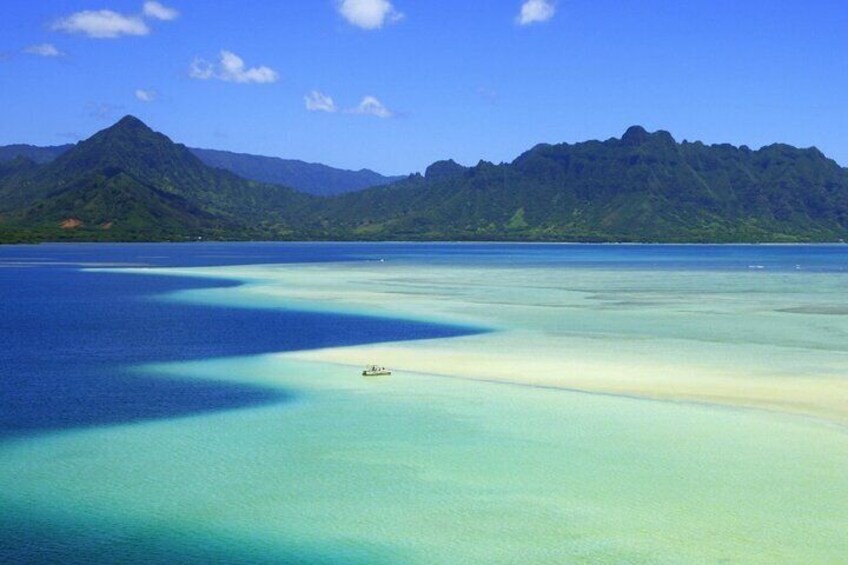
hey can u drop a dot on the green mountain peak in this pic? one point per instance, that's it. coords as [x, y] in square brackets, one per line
[637, 135]
[137, 181]
[129, 121]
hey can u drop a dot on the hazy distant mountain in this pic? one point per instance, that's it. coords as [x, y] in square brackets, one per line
[311, 178]
[32, 152]
[129, 182]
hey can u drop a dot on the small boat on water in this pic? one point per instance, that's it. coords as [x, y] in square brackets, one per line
[375, 371]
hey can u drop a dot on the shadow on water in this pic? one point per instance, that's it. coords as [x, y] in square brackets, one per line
[70, 337]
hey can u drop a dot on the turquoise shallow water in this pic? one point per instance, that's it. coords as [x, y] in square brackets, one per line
[427, 468]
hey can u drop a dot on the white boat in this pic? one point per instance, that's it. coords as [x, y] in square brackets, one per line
[375, 371]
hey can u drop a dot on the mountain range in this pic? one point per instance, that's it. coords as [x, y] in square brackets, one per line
[130, 183]
[311, 178]
[641, 187]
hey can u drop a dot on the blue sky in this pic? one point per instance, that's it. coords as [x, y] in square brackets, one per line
[413, 81]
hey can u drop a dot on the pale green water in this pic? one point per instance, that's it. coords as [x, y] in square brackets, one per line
[428, 469]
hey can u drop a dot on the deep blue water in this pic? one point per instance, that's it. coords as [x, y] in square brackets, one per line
[70, 336]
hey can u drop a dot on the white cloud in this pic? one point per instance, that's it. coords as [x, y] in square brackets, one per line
[534, 11]
[370, 106]
[368, 14]
[319, 102]
[101, 24]
[145, 95]
[157, 11]
[43, 50]
[231, 68]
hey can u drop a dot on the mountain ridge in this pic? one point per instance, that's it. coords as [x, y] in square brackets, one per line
[640, 187]
[644, 186]
[311, 178]
[37, 154]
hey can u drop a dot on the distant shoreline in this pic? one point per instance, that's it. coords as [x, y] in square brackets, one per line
[430, 242]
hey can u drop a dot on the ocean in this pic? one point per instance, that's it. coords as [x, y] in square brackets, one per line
[550, 403]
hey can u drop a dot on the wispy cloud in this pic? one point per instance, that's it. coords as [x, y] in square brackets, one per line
[157, 11]
[370, 106]
[145, 95]
[101, 24]
[231, 68]
[319, 102]
[536, 11]
[44, 50]
[103, 110]
[368, 14]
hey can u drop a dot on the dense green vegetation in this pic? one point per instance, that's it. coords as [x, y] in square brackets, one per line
[642, 187]
[130, 183]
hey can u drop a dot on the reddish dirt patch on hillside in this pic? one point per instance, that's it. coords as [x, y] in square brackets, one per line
[70, 224]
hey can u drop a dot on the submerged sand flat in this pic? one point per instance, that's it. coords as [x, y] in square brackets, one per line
[773, 341]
